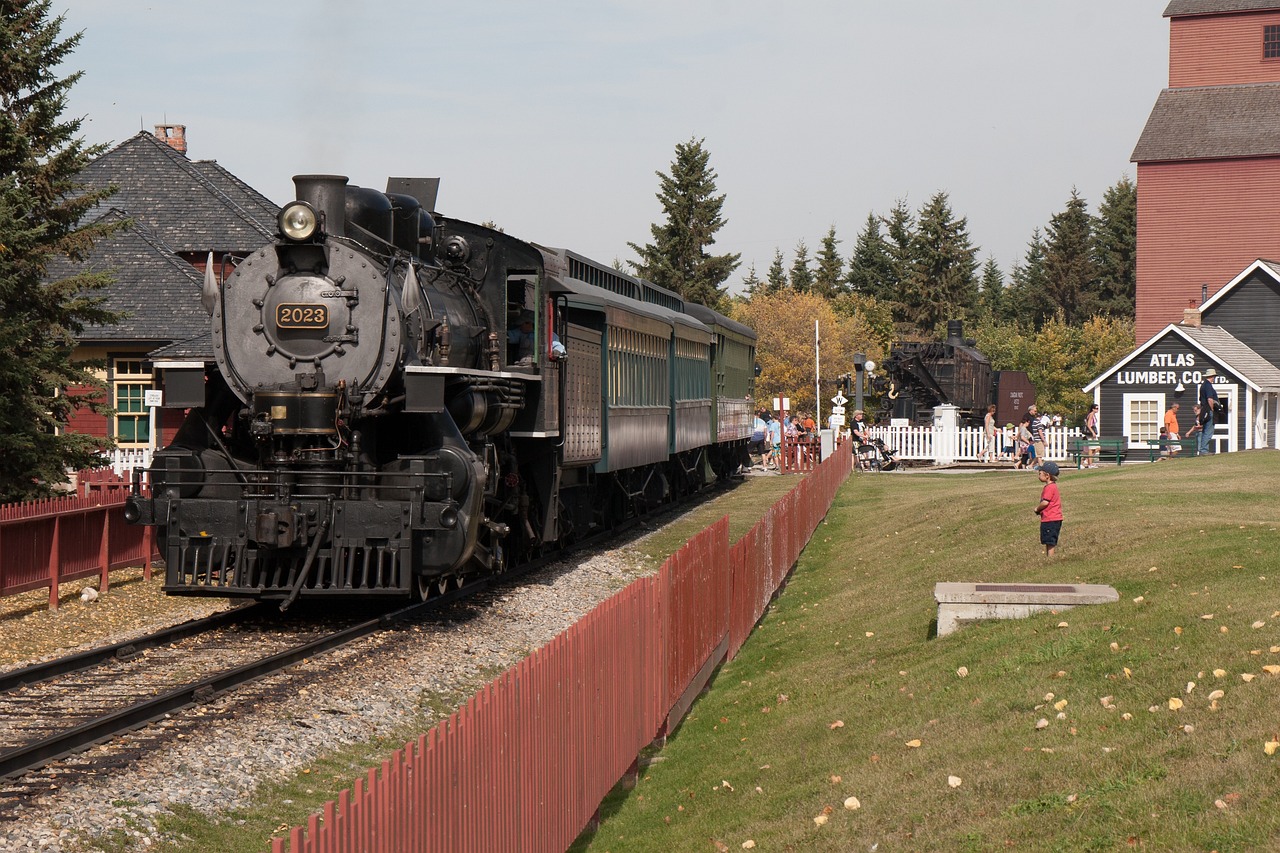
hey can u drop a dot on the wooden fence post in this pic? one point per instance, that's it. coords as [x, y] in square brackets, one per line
[53, 564]
[104, 550]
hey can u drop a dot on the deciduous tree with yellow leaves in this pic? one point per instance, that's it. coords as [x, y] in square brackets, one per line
[783, 322]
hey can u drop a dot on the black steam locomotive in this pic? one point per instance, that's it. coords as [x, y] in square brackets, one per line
[397, 400]
[918, 376]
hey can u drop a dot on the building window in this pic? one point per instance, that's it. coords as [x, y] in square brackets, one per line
[131, 379]
[1143, 415]
[1271, 41]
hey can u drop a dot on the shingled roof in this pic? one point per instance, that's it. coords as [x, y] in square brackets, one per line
[157, 290]
[1182, 8]
[1212, 121]
[192, 205]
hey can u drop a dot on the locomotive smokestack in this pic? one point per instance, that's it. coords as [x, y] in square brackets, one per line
[328, 195]
[955, 332]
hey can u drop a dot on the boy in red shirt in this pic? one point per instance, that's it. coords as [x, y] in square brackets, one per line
[1050, 508]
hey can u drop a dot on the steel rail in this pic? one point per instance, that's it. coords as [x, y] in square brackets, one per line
[21, 759]
[126, 650]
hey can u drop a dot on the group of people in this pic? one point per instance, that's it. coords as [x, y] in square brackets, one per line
[767, 432]
[1204, 415]
[1028, 449]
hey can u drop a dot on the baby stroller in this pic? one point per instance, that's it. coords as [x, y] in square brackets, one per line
[876, 456]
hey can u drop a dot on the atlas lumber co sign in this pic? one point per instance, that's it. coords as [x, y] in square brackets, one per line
[1189, 375]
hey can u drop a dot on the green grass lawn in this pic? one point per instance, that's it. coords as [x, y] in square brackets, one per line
[1049, 733]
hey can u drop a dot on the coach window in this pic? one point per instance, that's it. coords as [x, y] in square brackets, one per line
[131, 379]
[1271, 41]
[1143, 414]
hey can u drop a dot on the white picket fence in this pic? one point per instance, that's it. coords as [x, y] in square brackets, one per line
[124, 460]
[963, 444]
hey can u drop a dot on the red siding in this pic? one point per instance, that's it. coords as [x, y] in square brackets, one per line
[1218, 50]
[1200, 222]
[83, 421]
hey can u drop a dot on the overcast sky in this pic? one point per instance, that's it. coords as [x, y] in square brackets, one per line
[552, 118]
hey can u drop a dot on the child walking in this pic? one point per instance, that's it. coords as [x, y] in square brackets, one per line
[1050, 508]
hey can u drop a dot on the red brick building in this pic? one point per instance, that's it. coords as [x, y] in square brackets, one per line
[1208, 160]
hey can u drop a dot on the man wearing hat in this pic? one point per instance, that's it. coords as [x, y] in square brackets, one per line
[1208, 400]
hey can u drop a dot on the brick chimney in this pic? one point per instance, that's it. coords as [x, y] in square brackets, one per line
[1191, 314]
[174, 135]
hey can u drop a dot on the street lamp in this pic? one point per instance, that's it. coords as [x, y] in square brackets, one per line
[862, 366]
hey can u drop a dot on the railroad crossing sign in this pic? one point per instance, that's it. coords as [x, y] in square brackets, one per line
[838, 408]
[837, 420]
[839, 400]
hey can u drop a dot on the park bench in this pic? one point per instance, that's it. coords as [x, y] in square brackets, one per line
[1107, 448]
[1159, 448]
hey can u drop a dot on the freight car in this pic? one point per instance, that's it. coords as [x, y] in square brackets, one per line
[920, 375]
[402, 400]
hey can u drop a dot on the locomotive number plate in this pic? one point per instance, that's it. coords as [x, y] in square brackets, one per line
[293, 315]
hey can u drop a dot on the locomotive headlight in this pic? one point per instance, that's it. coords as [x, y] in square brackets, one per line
[298, 221]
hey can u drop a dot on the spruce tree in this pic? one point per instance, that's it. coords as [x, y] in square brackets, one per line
[992, 299]
[775, 280]
[677, 259]
[41, 208]
[900, 241]
[871, 268]
[1027, 299]
[943, 282]
[1115, 249]
[751, 282]
[1070, 274]
[801, 275]
[827, 278]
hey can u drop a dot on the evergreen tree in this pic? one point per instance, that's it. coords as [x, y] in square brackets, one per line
[900, 240]
[871, 268]
[775, 280]
[751, 282]
[677, 259]
[992, 300]
[41, 207]
[943, 281]
[801, 275]
[1070, 274]
[1027, 299]
[1115, 249]
[827, 281]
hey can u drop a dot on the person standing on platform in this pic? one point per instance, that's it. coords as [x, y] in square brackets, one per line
[989, 449]
[1172, 428]
[1208, 399]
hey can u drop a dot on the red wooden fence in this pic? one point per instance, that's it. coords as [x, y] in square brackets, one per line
[524, 764]
[48, 542]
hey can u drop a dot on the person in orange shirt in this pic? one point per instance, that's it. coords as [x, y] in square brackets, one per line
[808, 423]
[1171, 424]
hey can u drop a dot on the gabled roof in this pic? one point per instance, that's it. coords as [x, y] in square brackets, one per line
[197, 349]
[1220, 346]
[158, 291]
[193, 206]
[1270, 267]
[1182, 8]
[1212, 122]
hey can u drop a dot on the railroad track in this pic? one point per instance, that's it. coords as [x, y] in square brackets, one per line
[61, 708]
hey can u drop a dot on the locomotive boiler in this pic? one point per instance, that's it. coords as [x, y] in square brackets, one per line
[394, 401]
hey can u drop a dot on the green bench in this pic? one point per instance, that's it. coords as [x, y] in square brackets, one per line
[1159, 448]
[1108, 448]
